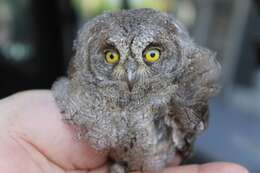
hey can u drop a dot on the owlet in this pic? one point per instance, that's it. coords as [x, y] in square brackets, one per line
[138, 87]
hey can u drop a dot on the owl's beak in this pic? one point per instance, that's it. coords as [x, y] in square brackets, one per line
[130, 79]
[131, 74]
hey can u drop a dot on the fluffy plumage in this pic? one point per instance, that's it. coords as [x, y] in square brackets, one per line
[146, 120]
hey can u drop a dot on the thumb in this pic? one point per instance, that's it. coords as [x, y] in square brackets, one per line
[37, 120]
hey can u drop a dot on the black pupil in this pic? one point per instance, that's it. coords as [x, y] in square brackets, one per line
[152, 54]
[111, 56]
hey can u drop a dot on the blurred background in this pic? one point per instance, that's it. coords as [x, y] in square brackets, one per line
[36, 40]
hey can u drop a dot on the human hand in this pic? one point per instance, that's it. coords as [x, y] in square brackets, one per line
[34, 139]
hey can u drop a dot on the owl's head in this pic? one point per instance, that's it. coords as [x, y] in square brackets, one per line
[131, 46]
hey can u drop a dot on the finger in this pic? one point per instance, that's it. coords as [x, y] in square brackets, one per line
[103, 169]
[207, 168]
[37, 121]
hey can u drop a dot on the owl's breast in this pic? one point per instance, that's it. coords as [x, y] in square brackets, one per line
[132, 126]
[147, 144]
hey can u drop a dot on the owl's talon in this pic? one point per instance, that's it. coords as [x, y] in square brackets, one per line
[117, 168]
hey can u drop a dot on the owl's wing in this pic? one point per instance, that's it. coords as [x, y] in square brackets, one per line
[61, 93]
[190, 121]
[197, 84]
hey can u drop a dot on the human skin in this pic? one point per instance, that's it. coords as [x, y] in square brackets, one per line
[34, 139]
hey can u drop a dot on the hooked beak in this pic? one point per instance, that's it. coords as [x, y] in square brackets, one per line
[131, 74]
[130, 79]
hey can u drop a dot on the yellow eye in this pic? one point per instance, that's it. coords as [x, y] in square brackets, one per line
[152, 55]
[112, 57]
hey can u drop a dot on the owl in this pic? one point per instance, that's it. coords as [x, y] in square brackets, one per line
[138, 88]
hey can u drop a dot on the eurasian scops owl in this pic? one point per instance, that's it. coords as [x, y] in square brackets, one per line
[138, 87]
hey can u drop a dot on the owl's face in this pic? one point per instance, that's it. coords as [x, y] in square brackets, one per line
[131, 48]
